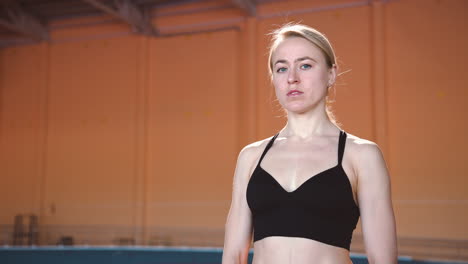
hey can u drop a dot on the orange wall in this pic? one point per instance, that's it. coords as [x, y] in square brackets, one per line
[192, 132]
[427, 80]
[101, 127]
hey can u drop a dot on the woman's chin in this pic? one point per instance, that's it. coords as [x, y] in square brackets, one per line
[296, 109]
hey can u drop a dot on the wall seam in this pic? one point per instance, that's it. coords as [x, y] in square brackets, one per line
[45, 136]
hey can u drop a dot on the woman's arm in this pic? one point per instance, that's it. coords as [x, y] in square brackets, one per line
[238, 232]
[374, 197]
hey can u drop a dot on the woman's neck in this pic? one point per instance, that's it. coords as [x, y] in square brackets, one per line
[309, 124]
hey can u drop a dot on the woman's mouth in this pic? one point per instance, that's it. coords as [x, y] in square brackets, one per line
[294, 93]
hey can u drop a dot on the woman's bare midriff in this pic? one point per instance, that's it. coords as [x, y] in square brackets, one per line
[292, 250]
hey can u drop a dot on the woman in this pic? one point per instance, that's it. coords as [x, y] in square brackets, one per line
[301, 192]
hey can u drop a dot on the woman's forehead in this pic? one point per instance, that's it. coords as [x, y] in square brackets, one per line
[292, 48]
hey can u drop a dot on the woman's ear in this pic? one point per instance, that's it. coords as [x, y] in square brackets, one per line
[332, 73]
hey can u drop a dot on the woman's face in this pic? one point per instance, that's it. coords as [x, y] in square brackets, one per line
[301, 75]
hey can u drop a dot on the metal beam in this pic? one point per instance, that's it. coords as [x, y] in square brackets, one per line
[247, 5]
[139, 20]
[19, 21]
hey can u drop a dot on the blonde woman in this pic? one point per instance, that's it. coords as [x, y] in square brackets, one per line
[301, 192]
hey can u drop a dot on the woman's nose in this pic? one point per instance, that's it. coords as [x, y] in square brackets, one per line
[292, 77]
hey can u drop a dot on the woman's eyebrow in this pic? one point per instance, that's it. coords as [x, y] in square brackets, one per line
[296, 60]
[304, 58]
[280, 61]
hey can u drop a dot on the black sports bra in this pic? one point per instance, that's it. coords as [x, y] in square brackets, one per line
[322, 208]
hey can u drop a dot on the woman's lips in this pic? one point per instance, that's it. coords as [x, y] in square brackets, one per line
[294, 93]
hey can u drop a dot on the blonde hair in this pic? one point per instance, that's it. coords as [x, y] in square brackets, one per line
[316, 38]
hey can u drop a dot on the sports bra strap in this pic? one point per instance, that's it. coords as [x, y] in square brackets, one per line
[268, 147]
[341, 146]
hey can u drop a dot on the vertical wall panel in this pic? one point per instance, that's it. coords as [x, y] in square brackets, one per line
[91, 140]
[21, 83]
[193, 129]
[427, 116]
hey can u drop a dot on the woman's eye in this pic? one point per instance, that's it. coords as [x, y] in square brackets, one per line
[306, 66]
[282, 69]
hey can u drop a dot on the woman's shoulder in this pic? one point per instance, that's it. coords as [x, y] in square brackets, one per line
[253, 150]
[248, 158]
[250, 154]
[358, 142]
[362, 151]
